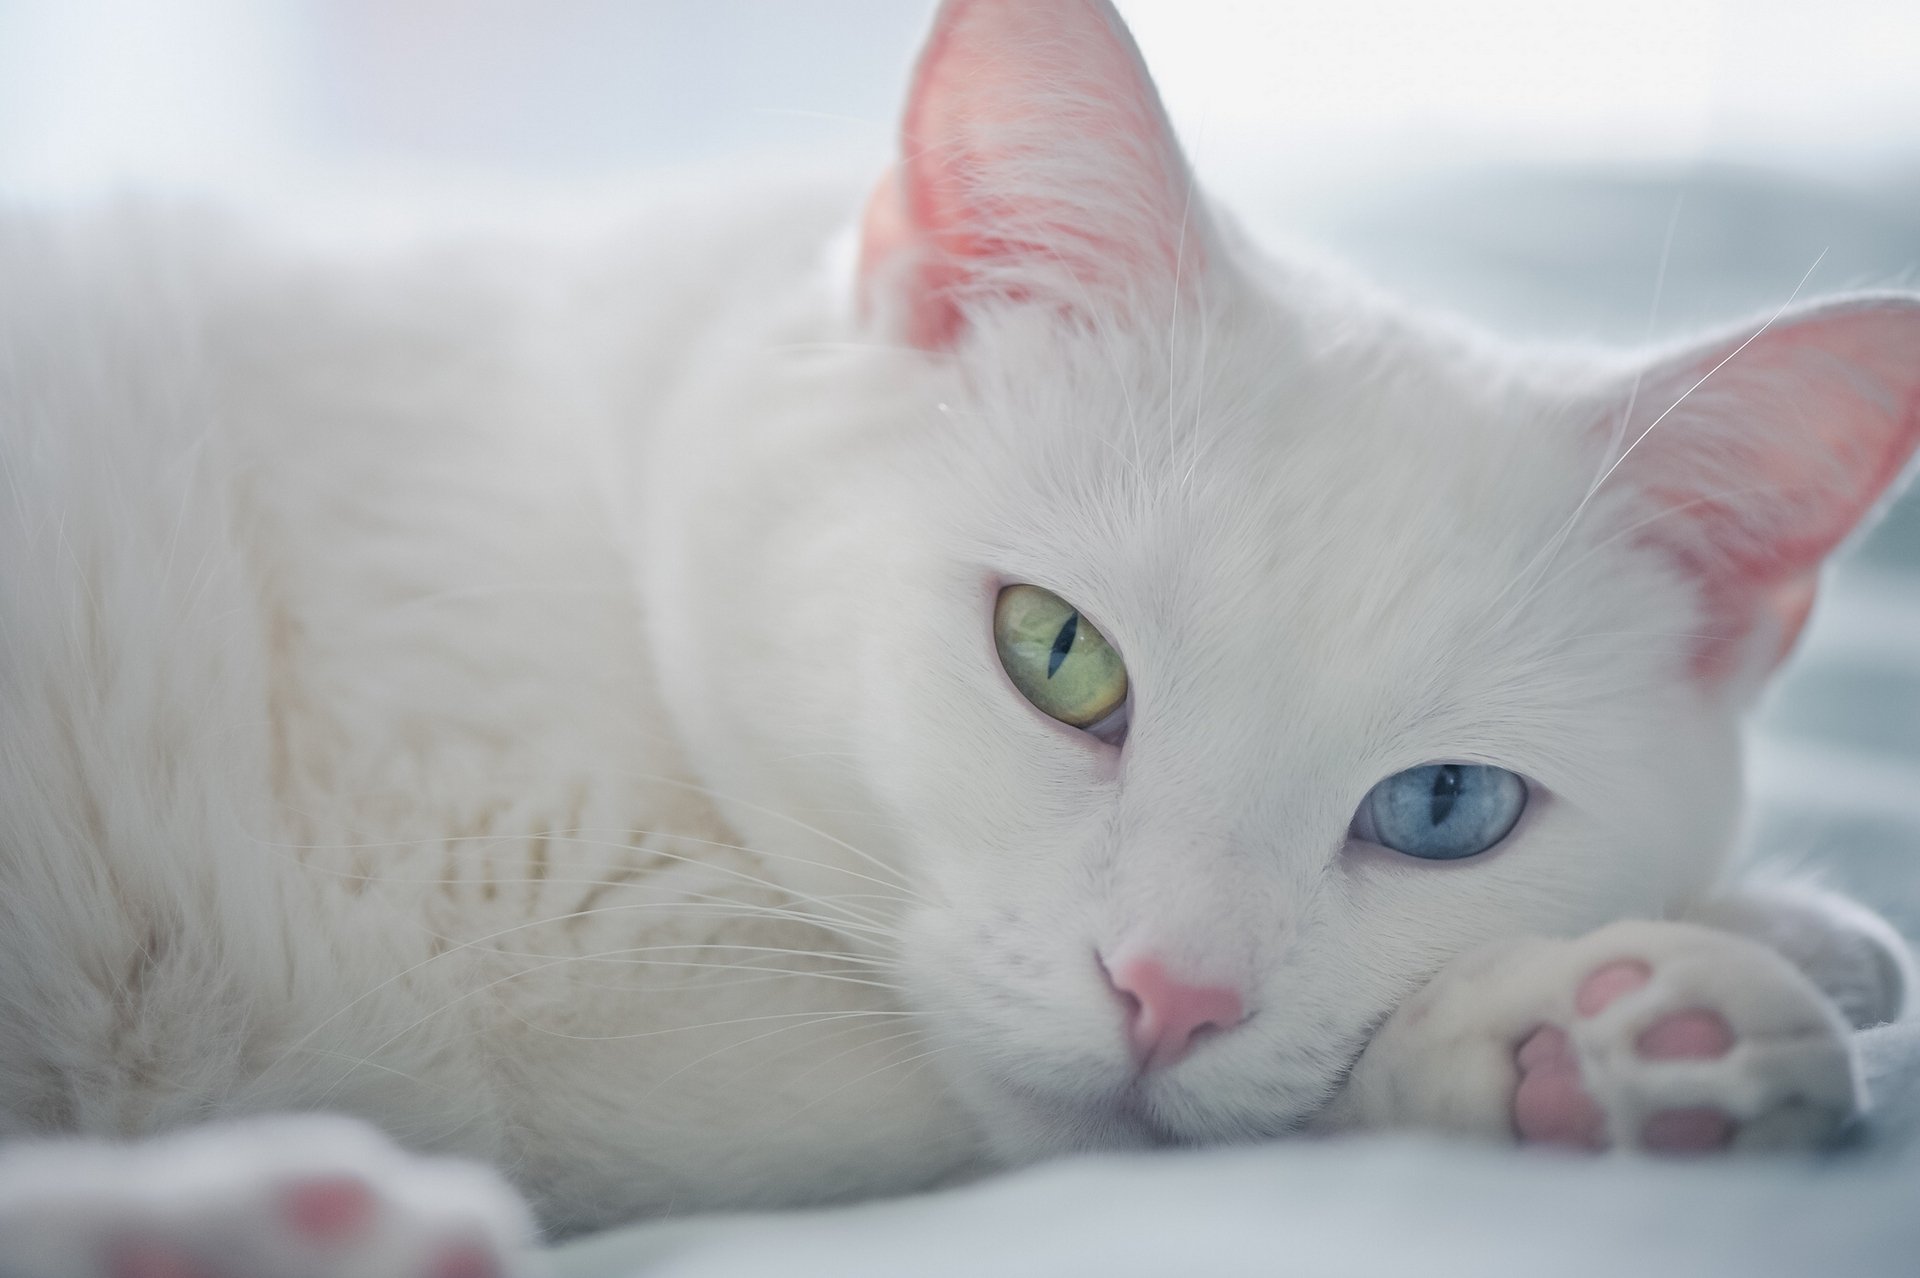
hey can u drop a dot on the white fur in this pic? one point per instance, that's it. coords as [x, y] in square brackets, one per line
[507, 693]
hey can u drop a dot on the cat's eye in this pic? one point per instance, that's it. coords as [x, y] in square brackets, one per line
[1442, 811]
[1057, 659]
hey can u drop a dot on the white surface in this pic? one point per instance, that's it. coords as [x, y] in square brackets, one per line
[1377, 1208]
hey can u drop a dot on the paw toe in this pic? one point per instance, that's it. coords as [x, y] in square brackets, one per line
[1605, 984]
[152, 1258]
[1696, 1034]
[1550, 1105]
[329, 1210]
[1699, 1130]
[465, 1260]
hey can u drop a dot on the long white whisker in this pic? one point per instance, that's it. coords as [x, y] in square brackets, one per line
[853, 1082]
[798, 824]
[1607, 474]
[719, 1051]
[1665, 512]
[456, 948]
[798, 1020]
[1618, 434]
[910, 1032]
[458, 999]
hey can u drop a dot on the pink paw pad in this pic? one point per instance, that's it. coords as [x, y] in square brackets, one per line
[329, 1210]
[1686, 1036]
[1687, 1131]
[1551, 1104]
[146, 1258]
[465, 1260]
[1604, 985]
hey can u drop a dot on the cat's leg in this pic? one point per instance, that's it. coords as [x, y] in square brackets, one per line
[1851, 953]
[1661, 1036]
[307, 1197]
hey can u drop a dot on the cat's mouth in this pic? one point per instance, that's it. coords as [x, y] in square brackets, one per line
[1124, 1120]
[1245, 1094]
[1135, 1113]
[1130, 1117]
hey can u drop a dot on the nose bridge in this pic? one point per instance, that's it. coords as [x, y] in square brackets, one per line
[1214, 780]
[1191, 916]
[1226, 798]
[1184, 883]
[1177, 899]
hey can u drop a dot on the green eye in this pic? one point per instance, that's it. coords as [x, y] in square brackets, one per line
[1056, 658]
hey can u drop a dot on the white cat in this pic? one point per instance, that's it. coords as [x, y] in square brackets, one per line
[626, 717]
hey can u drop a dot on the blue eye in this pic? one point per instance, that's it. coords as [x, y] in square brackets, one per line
[1442, 811]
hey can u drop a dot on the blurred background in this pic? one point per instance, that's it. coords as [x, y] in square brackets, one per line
[1557, 170]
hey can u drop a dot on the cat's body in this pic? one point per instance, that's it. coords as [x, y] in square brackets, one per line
[546, 703]
[328, 505]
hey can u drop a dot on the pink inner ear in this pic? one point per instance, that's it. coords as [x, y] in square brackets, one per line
[1776, 457]
[1035, 159]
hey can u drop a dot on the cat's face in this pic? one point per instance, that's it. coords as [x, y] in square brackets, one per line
[1323, 562]
[1328, 544]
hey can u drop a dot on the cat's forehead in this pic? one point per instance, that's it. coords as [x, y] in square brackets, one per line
[1253, 470]
[1340, 533]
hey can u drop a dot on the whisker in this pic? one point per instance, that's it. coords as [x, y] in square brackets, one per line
[738, 980]
[817, 1066]
[853, 1082]
[1594, 488]
[622, 955]
[1664, 512]
[624, 958]
[719, 1051]
[814, 1018]
[450, 1004]
[1618, 433]
[456, 948]
[798, 824]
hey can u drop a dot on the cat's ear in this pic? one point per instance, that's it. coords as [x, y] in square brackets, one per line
[1762, 451]
[1036, 165]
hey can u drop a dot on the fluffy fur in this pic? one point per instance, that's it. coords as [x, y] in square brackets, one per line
[545, 702]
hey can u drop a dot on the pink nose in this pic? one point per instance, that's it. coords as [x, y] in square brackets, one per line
[1164, 1013]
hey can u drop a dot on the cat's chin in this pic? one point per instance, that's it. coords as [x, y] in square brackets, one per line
[1024, 1125]
[1027, 1129]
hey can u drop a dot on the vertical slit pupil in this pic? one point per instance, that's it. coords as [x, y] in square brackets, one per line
[1446, 789]
[1063, 643]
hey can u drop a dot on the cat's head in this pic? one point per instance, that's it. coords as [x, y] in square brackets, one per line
[1215, 648]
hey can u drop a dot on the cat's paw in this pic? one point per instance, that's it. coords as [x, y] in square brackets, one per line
[1682, 1039]
[310, 1197]
[1655, 1036]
